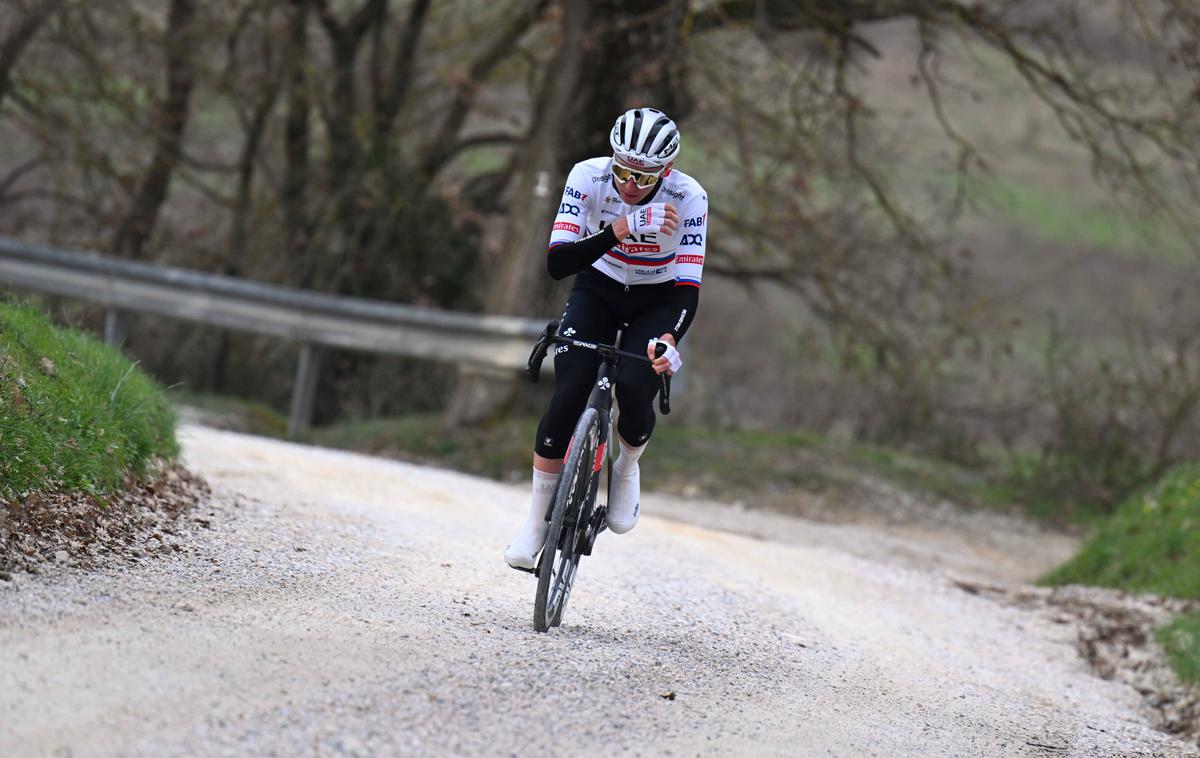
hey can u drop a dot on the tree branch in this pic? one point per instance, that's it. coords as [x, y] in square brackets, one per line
[387, 103]
[439, 150]
[20, 37]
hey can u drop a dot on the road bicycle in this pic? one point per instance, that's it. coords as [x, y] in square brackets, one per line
[575, 518]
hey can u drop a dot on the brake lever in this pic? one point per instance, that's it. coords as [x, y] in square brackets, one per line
[664, 392]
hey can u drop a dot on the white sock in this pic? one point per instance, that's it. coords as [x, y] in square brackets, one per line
[544, 485]
[626, 462]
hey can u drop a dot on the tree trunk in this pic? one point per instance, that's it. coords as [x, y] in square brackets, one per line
[296, 225]
[243, 207]
[572, 117]
[522, 270]
[390, 95]
[135, 229]
[345, 164]
[653, 77]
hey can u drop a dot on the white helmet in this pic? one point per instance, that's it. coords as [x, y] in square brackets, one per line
[645, 137]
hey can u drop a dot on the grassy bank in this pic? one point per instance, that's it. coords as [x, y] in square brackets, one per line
[1152, 544]
[75, 416]
[1181, 640]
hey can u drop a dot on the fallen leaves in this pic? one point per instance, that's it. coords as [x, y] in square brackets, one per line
[71, 528]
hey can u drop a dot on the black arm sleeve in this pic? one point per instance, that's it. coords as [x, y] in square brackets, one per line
[686, 300]
[572, 257]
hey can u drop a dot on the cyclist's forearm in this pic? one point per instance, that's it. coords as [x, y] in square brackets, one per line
[686, 300]
[567, 258]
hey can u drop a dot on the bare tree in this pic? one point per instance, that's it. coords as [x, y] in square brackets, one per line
[356, 122]
[478, 397]
[20, 35]
[297, 227]
[137, 225]
[590, 80]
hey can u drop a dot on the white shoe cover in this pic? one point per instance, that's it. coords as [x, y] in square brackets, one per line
[623, 501]
[522, 553]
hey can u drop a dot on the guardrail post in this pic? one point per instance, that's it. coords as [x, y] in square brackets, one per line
[116, 327]
[304, 389]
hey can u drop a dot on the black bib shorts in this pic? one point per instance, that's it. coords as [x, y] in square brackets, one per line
[596, 308]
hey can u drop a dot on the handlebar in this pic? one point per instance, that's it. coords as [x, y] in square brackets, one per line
[534, 364]
[550, 336]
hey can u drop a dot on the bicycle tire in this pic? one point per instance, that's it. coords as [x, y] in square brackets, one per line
[559, 562]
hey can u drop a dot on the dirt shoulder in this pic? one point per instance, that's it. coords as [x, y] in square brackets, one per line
[894, 526]
[79, 529]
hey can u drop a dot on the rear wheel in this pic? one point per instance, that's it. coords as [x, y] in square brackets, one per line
[560, 560]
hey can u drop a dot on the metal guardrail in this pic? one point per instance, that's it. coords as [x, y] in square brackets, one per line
[312, 319]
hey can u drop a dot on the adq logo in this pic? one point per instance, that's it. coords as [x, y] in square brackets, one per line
[568, 209]
[691, 239]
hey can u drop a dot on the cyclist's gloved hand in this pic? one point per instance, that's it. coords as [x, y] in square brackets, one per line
[674, 359]
[647, 218]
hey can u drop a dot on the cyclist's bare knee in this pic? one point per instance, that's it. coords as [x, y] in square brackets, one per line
[548, 465]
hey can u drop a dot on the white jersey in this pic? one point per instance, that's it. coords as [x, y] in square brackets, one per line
[590, 202]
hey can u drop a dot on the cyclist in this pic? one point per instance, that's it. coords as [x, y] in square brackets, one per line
[632, 229]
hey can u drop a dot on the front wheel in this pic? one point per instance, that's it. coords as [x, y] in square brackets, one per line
[560, 560]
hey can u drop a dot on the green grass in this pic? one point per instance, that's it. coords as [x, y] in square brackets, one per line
[240, 415]
[1152, 544]
[74, 414]
[1181, 640]
[501, 451]
[1059, 217]
[733, 465]
[719, 464]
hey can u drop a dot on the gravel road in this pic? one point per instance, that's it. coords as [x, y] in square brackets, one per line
[341, 604]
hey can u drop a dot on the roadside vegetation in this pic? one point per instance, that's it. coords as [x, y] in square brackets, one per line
[75, 416]
[761, 468]
[1152, 544]
[1181, 640]
[87, 452]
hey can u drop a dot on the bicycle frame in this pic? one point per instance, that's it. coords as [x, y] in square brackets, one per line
[601, 399]
[575, 523]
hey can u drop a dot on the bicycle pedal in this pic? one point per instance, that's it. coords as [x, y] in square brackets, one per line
[527, 571]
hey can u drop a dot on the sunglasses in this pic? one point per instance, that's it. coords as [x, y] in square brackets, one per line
[640, 178]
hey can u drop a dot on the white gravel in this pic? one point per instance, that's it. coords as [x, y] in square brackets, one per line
[349, 605]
